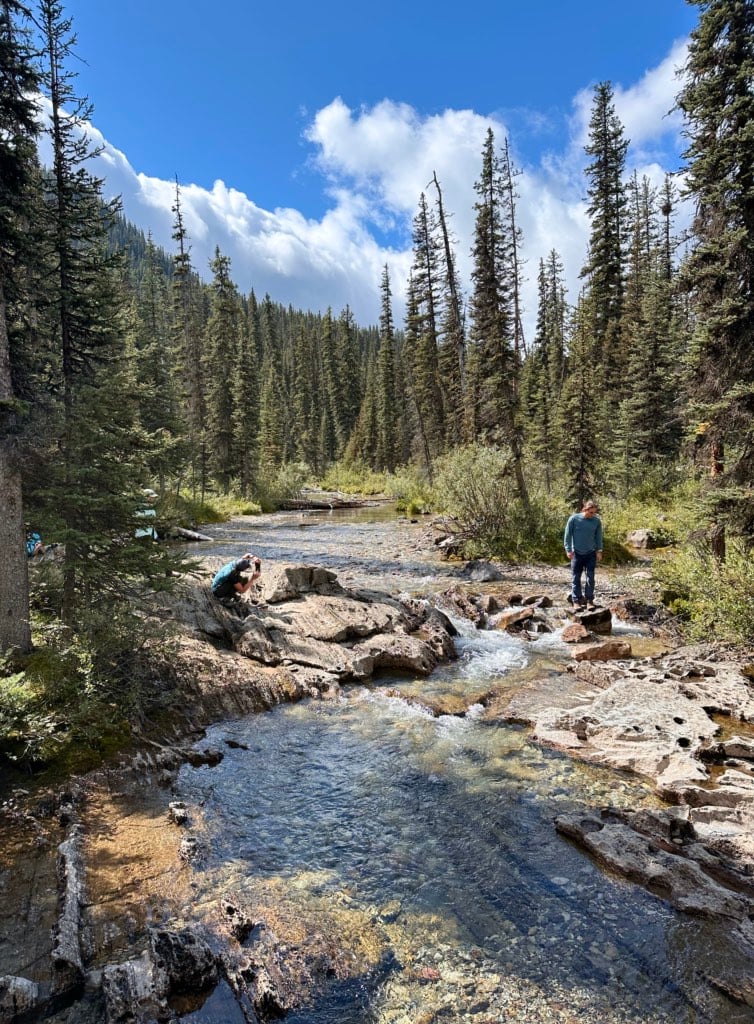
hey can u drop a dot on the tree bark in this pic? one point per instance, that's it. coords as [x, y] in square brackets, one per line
[15, 632]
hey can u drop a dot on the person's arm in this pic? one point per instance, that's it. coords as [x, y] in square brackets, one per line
[598, 539]
[568, 538]
[243, 585]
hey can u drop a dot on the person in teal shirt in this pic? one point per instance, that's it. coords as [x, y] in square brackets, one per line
[583, 546]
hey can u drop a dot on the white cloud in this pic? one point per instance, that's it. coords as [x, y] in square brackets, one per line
[375, 163]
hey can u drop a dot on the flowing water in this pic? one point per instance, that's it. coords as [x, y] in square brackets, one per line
[438, 832]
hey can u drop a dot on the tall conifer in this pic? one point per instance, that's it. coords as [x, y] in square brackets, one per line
[18, 130]
[717, 100]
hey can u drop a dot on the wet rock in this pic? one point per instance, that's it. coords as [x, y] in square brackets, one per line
[178, 813]
[393, 651]
[507, 619]
[538, 601]
[133, 992]
[240, 921]
[488, 604]
[184, 958]
[575, 633]
[458, 602]
[67, 953]
[634, 724]
[17, 996]
[598, 621]
[610, 651]
[681, 881]
[210, 757]
[481, 571]
[739, 989]
[738, 746]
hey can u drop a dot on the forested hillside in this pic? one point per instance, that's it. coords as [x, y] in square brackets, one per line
[124, 367]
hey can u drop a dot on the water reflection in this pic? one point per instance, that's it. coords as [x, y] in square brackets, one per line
[440, 829]
[451, 820]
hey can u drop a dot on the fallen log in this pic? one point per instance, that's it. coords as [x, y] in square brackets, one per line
[179, 531]
[317, 504]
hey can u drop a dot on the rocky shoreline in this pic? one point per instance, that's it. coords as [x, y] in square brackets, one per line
[307, 635]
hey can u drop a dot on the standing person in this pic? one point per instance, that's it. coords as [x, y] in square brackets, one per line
[583, 546]
[229, 582]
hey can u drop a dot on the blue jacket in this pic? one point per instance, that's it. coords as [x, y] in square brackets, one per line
[583, 534]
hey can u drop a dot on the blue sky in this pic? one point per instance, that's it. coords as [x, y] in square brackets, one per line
[302, 133]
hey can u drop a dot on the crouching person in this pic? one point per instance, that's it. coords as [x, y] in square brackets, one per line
[230, 582]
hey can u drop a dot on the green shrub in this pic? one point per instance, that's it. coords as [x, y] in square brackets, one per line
[278, 485]
[668, 513]
[357, 478]
[714, 600]
[216, 508]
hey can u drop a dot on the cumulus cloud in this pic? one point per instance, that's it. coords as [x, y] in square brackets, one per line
[374, 163]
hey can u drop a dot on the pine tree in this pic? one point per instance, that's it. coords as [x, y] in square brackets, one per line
[717, 100]
[423, 365]
[386, 452]
[18, 130]
[495, 369]
[305, 422]
[224, 394]
[604, 269]
[159, 404]
[92, 486]
[580, 452]
[362, 445]
[188, 342]
[348, 370]
[452, 343]
[648, 427]
[545, 366]
[509, 173]
[271, 426]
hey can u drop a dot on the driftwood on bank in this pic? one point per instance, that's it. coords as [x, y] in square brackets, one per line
[180, 531]
[322, 504]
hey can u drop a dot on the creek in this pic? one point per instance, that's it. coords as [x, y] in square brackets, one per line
[438, 831]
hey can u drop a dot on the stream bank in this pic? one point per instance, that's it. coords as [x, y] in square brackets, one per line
[166, 897]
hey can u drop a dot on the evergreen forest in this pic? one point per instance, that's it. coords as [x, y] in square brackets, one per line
[125, 367]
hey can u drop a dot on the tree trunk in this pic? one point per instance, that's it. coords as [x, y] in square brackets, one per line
[15, 632]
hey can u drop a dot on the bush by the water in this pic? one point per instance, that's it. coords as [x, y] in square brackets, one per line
[713, 599]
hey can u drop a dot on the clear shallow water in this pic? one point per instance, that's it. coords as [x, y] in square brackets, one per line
[370, 802]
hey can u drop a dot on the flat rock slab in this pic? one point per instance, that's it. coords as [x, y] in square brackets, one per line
[333, 619]
[612, 650]
[680, 880]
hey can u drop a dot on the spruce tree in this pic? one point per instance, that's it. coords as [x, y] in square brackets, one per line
[545, 367]
[347, 359]
[604, 270]
[580, 453]
[495, 368]
[452, 343]
[188, 342]
[717, 100]
[424, 364]
[303, 413]
[91, 486]
[648, 426]
[224, 393]
[386, 453]
[159, 400]
[18, 130]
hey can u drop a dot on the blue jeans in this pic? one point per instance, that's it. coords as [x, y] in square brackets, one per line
[579, 563]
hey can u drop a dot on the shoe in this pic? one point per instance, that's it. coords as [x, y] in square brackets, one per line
[591, 607]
